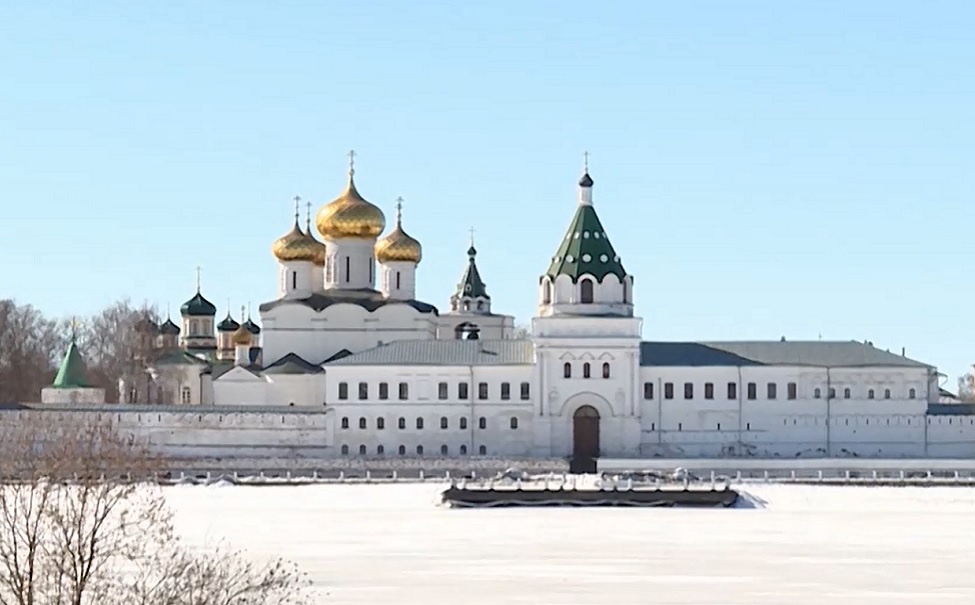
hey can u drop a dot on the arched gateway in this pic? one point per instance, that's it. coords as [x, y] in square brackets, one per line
[585, 439]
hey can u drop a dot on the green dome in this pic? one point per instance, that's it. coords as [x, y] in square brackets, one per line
[228, 324]
[198, 307]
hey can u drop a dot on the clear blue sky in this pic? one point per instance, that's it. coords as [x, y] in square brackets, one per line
[763, 168]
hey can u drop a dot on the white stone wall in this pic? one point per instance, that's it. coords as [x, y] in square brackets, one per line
[316, 336]
[611, 296]
[72, 396]
[296, 279]
[397, 280]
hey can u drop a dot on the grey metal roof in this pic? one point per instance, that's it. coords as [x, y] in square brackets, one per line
[367, 298]
[951, 409]
[444, 353]
[292, 364]
[816, 353]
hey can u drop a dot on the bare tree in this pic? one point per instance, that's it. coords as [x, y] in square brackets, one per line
[115, 344]
[522, 332]
[966, 388]
[81, 524]
[29, 348]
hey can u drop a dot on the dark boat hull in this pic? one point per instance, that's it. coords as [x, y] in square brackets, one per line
[489, 497]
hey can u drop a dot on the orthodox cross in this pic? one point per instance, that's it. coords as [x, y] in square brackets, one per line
[399, 210]
[297, 200]
[472, 235]
[198, 271]
[351, 161]
[585, 162]
[308, 216]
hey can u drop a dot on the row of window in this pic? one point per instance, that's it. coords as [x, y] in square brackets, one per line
[482, 423]
[751, 391]
[443, 390]
[585, 289]
[586, 370]
[444, 450]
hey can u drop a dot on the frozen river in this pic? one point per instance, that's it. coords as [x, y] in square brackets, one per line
[389, 544]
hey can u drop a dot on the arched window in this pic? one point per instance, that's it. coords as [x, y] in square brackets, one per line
[362, 450]
[567, 370]
[626, 292]
[912, 394]
[380, 450]
[482, 423]
[886, 393]
[380, 423]
[443, 450]
[362, 423]
[401, 423]
[817, 393]
[345, 450]
[870, 394]
[463, 450]
[586, 370]
[419, 423]
[605, 370]
[514, 423]
[482, 450]
[419, 450]
[846, 393]
[463, 423]
[345, 422]
[443, 422]
[585, 291]
[546, 292]
[402, 450]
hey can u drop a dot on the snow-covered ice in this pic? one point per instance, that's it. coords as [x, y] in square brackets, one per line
[799, 545]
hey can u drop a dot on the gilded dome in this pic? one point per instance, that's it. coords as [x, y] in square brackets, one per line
[318, 246]
[242, 336]
[398, 245]
[296, 246]
[350, 216]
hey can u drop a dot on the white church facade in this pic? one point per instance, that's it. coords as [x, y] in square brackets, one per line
[348, 363]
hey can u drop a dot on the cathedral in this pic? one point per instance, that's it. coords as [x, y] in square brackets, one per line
[383, 374]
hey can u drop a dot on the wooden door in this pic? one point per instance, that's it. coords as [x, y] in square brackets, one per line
[585, 433]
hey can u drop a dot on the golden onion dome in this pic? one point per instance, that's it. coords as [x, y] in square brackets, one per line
[242, 336]
[350, 216]
[295, 245]
[398, 245]
[318, 246]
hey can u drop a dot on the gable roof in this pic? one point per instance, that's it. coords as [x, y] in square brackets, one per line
[444, 353]
[815, 353]
[292, 364]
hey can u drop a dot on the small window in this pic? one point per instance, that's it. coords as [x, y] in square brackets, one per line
[442, 390]
[605, 370]
[732, 390]
[397, 281]
[505, 391]
[404, 390]
[482, 423]
[586, 373]
[362, 423]
[363, 390]
[567, 370]
[419, 450]
[832, 392]
[668, 390]
[362, 450]
[443, 450]
[846, 393]
[648, 390]
[384, 390]
[688, 390]
[345, 422]
[463, 423]
[482, 450]
[380, 450]
[462, 390]
[709, 390]
[772, 390]
[294, 280]
[347, 268]
[419, 423]
[546, 292]
[443, 422]
[791, 390]
[680, 426]
[482, 390]
[380, 423]
[526, 391]
[585, 291]
[886, 393]
[402, 450]
[345, 450]
[912, 394]
[186, 395]
[719, 426]
[463, 450]
[343, 390]
[401, 423]
[752, 390]
[514, 423]
[870, 394]
[817, 393]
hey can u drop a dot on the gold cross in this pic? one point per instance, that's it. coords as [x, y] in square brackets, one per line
[399, 210]
[351, 161]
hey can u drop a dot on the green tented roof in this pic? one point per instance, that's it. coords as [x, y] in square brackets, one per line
[73, 373]
[471, 284]
[585, 249]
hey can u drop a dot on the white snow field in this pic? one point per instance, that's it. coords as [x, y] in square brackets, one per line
[373, 544]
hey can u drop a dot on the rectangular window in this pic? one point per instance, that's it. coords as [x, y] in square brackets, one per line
[505, 391]
[709, 390]
[404, 390]
[732, 390]
[773, 390]
[791, 390]
[648, 390]
[442, 390]
[688, 390]
[384, 390]
[294, 280]
[363, 390]
[482, 390]
[343, 390]
[397, 280]
[752, 390]
[526, 391]
[462, 390]
[371, 265]
[347, 268]
[186, 395]
[668, 390]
